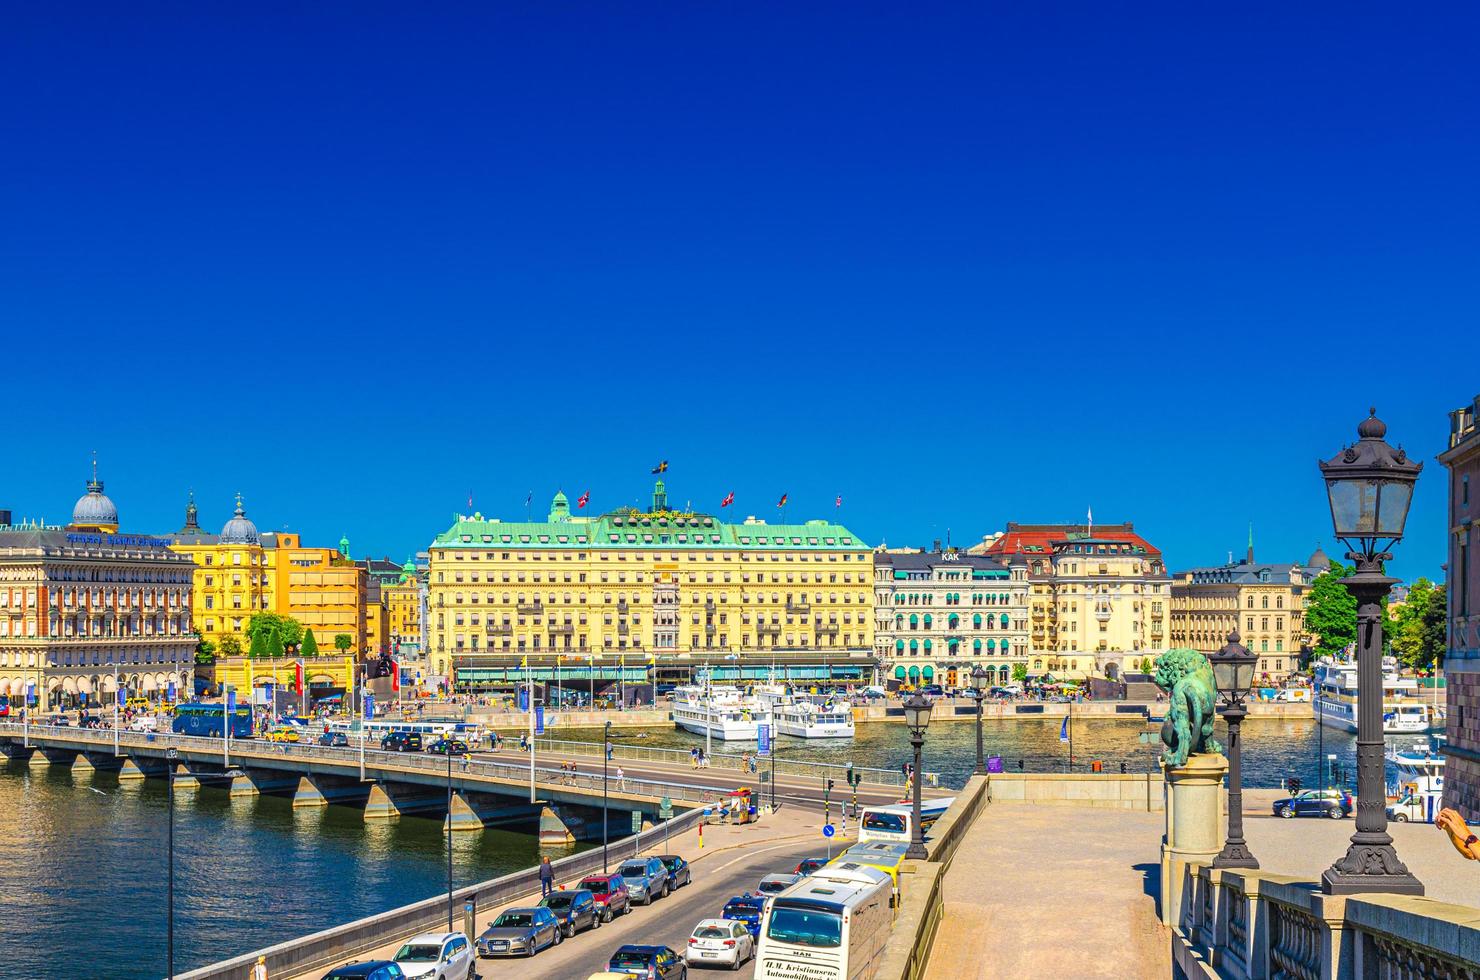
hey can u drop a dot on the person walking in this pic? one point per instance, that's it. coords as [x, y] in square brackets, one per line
[547, 877]
[621, 779]
[693, 758]
[608, 749]
[259, 971]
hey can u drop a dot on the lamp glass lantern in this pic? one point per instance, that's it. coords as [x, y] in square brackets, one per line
[979, 679]
[917, 712]
[1369, 486]
[1233, 669]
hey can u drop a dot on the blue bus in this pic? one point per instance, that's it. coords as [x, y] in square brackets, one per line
[195, 718]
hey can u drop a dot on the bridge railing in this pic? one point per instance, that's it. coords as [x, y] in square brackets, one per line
[727, 760]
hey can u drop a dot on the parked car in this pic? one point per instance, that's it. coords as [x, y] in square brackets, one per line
[448, 746]
[367, 970]
[334, 738]
[647, 879]
[720, 942]
[574, 910]
[776, 884]
[520, 932]
[90, 723]
[437, 956]
[1331, 803]
[611, 894]
[808, 865]
[748, 909]
[144, 723]
[402, 742]
[649, 962]
[282, 733]
[679, 872]
[933, 691]
[59, 720]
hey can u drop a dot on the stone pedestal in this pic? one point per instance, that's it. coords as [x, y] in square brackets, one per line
[1195, 827]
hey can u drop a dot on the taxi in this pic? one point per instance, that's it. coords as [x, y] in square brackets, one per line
[282, 733]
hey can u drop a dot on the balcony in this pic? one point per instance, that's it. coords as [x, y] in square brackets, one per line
[563, 630]
[529, 609]
[774, 629]
[827, 629]
[710, 629]
[499, 629]
[709, 608]
[798, 607]
[622, 629]
[622, 608]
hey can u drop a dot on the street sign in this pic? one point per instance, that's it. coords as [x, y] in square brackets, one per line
[763, 737]
[369, 706]
[665, 809]
[765, 776]
[994, 763]
[524, 699]
[539, 719]
[637, 821]
[828, 830]
[231, 701]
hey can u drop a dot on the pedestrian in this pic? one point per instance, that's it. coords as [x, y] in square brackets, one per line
[621, 779]
[608, 749]
[547, 877]
[466, 759]
[573, 773]
[693, 758]
[259, 972]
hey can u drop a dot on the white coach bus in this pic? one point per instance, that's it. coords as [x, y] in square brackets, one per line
[831, 925]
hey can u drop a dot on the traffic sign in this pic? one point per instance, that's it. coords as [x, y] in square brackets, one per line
[369, 706]
[539, 719]
[763, 739]
[828, 830]
[636, 821]
[665, 809]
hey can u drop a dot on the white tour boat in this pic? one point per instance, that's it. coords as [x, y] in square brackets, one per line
[1403, 713]
[804, 717]
[720, 712]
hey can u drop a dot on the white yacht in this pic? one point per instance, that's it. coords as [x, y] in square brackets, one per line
[1403, 713]
[804, 717]
[721, 712]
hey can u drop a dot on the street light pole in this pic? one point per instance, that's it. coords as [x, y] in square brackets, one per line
[1369, 486]
[978, 684]
[605, 751]
[170, 755]
[1233, 669]
[917, 717]
[448, 747]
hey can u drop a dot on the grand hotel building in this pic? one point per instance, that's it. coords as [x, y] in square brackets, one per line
[648, 595]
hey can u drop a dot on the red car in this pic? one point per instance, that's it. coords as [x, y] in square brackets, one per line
[611, 894]
[809, 865]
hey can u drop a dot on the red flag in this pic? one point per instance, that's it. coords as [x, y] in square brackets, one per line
[585, 499]
[729, 499]
[782, 501]
[395, 676]
[298, 676]
[839, 502]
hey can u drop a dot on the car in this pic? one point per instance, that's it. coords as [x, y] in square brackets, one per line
[282, 733]
[402, 742]
[679, 872]
[611, 894]
[448, 746]
[720, 942]
[776, 884]
[647, 879]
[1331, 803]
[574, 910]
[808, 865]
[520, 932]
[367, 970]
[437, 956]
[90, 723]
[933, 691]
[144, 723]
[59, 721]
[748, 909]
[333, 738]
[649, 962]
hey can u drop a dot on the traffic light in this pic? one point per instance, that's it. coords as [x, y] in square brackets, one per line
[830, 785]
[1293, 785]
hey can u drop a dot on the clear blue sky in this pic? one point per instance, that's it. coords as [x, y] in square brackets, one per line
[961, 265]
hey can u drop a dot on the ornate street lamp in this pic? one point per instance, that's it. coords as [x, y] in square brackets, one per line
[1233, 669]
[979, 678]
[917, 718]
[1370, 486]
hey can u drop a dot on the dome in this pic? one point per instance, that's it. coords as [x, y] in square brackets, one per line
[94, 508]
[1372, 427]
[1318, 559]
[239, 530]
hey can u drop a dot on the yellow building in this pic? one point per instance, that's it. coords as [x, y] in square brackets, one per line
[322, 675]
[240, 572]
[609, 596]
[403, 609]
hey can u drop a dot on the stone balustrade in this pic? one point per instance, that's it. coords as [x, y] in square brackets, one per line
[1251, 925]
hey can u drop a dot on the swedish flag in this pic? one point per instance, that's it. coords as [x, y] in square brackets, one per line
[661, 467]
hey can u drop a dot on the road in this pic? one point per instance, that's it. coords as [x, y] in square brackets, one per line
[667, 922]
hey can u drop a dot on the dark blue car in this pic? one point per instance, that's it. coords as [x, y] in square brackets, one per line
[649, 962]
[367, 970]
[1315, 803]
[747, 909]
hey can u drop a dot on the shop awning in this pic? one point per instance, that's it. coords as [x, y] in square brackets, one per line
[929, 672]
[914, 673]
[899, 672]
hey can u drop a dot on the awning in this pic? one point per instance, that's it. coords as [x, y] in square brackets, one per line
[148, 683]
[899, 672]
[914, 673]
[84, 686]
[929, 672]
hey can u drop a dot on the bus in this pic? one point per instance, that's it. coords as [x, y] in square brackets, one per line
[885, 856]
[831, 925]
[376, 729]
[892, 823]
[195, 718]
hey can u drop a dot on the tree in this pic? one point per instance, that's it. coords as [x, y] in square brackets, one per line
[1332, 613]
[1019, 672]
[259, 649]
[310, 646]
[231, 647]
[1406, 624]
[343, 641]
[205, 653]
[272, 634]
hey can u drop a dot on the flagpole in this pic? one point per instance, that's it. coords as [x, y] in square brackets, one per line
[529, 686]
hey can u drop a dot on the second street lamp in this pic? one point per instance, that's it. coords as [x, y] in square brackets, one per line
[1233, 669]
[1370, 485]
[917, 718]
[979, 685]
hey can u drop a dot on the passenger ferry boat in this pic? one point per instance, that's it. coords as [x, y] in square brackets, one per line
[1403, 713]
[721, 712]
[1419, 790]
[803, 717]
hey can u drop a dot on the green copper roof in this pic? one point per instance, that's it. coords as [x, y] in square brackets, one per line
[664, 531]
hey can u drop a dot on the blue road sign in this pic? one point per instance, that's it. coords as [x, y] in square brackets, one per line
[539, 719]
[524, 699]
[369, 706]
[170, 692]
[828, 830]
[231, 702]
[763, 739]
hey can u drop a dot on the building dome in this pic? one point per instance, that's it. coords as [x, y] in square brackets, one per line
[1318, 560]
[239, 530]
[94, 509]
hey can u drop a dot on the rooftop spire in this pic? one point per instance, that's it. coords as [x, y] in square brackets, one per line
[1251, 542]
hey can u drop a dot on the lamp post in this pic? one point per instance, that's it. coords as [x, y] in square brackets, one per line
[979, 685]
[605, 751]
[917, 718]
[1369, 486]
[1233, 669]
[171, 755]
[447, 747]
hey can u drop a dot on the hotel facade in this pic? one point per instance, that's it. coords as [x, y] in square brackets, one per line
[1462, 659]
[648, 595]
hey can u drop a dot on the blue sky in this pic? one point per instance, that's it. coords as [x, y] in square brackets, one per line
[960, 264]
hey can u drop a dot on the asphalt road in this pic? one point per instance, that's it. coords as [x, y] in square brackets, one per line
[667, 922]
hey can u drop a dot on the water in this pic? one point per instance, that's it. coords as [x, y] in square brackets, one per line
[1273, 748]
[85, 872]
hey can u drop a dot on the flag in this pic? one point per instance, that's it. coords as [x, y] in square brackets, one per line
[528, 497]
[395, 676]
[470, 500]
[661, 467]
[298, 677]
[652, 660]
[782, 501]
[524, 662]
[839, 501]
[584, 499]
[1064, 731]
[729, 499]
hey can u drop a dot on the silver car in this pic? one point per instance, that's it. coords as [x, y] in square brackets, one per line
[776, 884]
[520, 932]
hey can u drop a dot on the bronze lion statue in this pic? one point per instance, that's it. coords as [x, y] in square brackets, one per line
[1187, 677]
